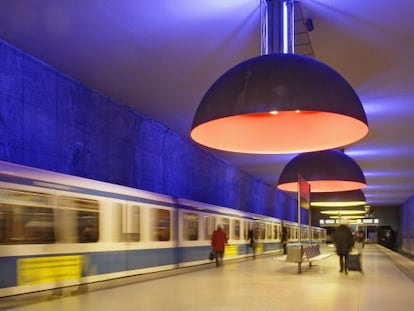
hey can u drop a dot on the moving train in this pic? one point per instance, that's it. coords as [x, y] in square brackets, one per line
[59, 231]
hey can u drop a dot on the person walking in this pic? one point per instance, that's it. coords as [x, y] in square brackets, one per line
[344, 241]
[251, 236]
[359, 241]
[218, 242]
[284, 239]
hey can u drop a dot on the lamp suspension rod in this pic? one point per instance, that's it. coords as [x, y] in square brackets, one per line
[264, 27]
[288, 26]
[277, 26]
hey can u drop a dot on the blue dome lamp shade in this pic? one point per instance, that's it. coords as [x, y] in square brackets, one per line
[279, 103]
[326, 171]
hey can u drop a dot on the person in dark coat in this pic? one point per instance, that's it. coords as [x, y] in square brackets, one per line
[218, 242]
[251, 236]
[284, 239]
[344, 241]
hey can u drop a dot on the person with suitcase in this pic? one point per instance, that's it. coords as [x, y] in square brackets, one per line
[344, 241]
[354, 262]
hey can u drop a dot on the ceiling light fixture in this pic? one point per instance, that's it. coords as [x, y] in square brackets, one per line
[343, 213]
[338, 199]
[326, 171]
[316, 107]
[350, 217]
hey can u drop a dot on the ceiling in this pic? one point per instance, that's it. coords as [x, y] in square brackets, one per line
[160, 57]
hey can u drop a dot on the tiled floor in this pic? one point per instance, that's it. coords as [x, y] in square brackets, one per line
[263, 284]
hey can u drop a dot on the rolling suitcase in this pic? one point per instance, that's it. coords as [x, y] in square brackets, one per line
[354, 262]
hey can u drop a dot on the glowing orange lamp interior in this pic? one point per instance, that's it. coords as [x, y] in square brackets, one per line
[284, 132]
[325, 185]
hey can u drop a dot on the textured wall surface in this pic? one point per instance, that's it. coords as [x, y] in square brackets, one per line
[51, 121]
[406, 235]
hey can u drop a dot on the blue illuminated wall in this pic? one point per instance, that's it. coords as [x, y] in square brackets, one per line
[51, 121]
[406, 237]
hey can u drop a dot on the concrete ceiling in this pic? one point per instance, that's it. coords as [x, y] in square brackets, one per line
[160, 57]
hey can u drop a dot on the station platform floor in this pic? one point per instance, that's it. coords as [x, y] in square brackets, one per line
[264, 283]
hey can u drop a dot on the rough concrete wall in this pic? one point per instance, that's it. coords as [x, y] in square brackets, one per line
[51, 121]
[406, 227]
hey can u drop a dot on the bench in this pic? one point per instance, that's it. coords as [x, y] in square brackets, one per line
[304, 253]
[294, 253]
[313, 252]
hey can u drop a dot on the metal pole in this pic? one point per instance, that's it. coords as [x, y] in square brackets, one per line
[271, 26]
[299, 218]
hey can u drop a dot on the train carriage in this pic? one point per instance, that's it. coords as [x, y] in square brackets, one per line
[58, 231]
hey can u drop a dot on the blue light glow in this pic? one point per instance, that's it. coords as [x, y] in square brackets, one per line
[379, 152]
[396, 187]
[380, 105]
[211, 8]
[382, 196]
[374, 174]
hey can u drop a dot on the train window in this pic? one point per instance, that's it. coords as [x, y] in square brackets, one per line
[225, 222]
[262, 231]
[304, 233]
[26, 218]
[288, 233]
[26, 198]
[236, 229]
[292, 233]
[161, 230]
[246, 228]
[126, 222]
[252, 226]
[116, 218]
[131, 223]
[190, 226]
[269, 231]
[85, 216]
[276, 234]
[209, 225]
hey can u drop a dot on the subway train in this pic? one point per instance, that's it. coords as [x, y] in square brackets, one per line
[59, 231]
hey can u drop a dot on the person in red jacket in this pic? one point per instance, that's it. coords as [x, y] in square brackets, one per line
[218, 242]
